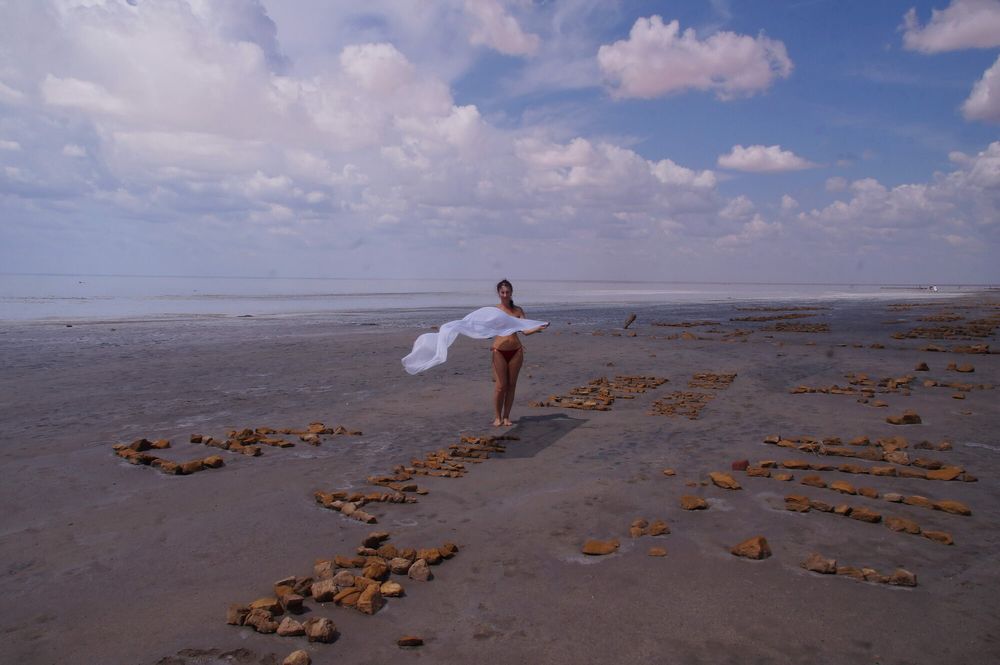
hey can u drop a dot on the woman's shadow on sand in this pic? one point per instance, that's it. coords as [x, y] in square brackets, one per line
[536, 433]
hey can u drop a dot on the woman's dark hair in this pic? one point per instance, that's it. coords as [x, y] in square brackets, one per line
[502, 283]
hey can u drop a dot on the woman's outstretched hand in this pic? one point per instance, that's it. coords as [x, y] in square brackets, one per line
[535, 330]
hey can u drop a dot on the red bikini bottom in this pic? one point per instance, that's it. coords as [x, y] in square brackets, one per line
[508, 353]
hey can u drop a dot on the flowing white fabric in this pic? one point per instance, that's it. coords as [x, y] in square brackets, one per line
[431, 349]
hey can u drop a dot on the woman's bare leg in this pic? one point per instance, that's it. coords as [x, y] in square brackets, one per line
[513, 369]
[499, 386]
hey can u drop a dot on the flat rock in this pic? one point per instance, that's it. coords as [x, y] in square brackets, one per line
[813, 481]
[375, 538]
[893, 497]
[599, 547]
[268, 603]
[797, 503]
[724, 480]
[852, 572]
[410, 641]
[371, 600]
[786, 477]
[820, 564]
[843, 487]
[752, 548]
[905, 418]
[902, 577]
[939, 537]
[740, 465]
[868, 492]
[917, 500]
[953, 507]
[863, 514]
[690, 502]
[236, 614]
[324, 590]
[656, 551]
[658, 528]
[430, 554]
[902, 524]
[945, 473]
[758, 472]
[391, 589]
[399, 565]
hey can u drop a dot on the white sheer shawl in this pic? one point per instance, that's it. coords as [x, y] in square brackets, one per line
[431, 349]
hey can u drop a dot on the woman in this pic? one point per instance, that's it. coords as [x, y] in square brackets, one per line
[508, 356]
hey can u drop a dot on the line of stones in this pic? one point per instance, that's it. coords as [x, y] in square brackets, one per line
[247, 441]
[135, 453]
[600, 394]
[802, 504]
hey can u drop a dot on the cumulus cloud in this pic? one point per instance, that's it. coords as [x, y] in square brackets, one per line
[836, 184]
[756, 229]
[788, 203]
[495, 28]
[984, 101]
[763, 159]
[962, 24]
[658, 59]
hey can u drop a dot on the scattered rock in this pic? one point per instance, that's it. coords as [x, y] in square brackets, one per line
[371, 600]
[213, 461]
[325, 589]
[599, 547]
[236, 615]
[399, 565]
[690, 502]
[863, 514]
[906, 418]
[268, 603]
[298, 657]
[893, 497]
[656, 551]
[391, 589]
[261, 621]
[658, 528]
[953, 507]
[410, 641]
[921, 367]
[813, 481]
[669, 472]
[902, 524]
[753, 548]
[724, 480]
[939, 537]
[916, 500]
[786, 477]
[945, 473]
[902, 577]
[797, 503]
[843, 487]
[740, 465]
[868, 492]
[820, 564]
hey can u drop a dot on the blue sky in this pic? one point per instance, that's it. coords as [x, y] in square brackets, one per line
[812, 141]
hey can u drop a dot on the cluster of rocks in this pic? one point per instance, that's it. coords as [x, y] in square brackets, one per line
[862, 387]
[711, 380]
[638, 528]
[844, 487]
[972, 348]
[135, 453]
[819, 564]
[350, 504]
[800, 503]
[905, 418]
[773, 317]
[790, 308]
[799, 327]
[964, 368]
[361, 582]
[681, 403]
[248, 440]
[889, 449]
[947, 317]
[685, 324]
[600, 394]
[968, 330]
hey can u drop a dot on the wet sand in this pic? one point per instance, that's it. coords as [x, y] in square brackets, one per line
[113, 563]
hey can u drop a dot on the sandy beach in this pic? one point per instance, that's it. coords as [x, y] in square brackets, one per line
[111, 562]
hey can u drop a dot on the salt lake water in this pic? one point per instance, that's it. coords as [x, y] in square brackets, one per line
[88, 297]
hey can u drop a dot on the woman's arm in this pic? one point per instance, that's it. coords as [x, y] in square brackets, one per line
[520, 315]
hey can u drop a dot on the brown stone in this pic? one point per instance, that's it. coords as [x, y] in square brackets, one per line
[291, 602]
[753, 548]
[409, 641]
[946, 473]
[902, 577]
[375, 568]
[906, 418]
[636, 531]
[740, 465]
[902, 524]
[821, 506]
[893, 497]
[758, 472]
[843, 487]
[872, 575]
[431, 555]
[166, 466]
[297, 657]
[939, 537]
[361, 582]
[783, 476]
[371, 600]
[213, 461]
[863, 514]
[795, 464]
[917, 500]
[387, 551]
[850, 571]
[953, 507]
[236, 615]
[868, 492]
[349, 562]
[324, 590]
[268, 603]
[852, 468]
[911, 473]
[797, 503]
[420, 571]
[639, 523]
[690, 502]
[289, 627]
[842, 509]
[320, 629]
[965, 368]
[600, 547]
[658, 528]
[669, 472]
[767, 464]
[343, 578]
[921, 367]
[391, 589]
[375, 539]
[883, 471]
[724, 480]
[820, 564]
[813, 481]
[448, 550]
[772, 439]
[261, 621]
[399, 565]
[656, 551]
[193, 466]
[897, 457]
[347, 597]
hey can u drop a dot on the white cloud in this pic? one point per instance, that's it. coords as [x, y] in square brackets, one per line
[962, 24]
[984, 101]
[658, 59]
[737, 208]
[756, 229]
[761, 159]
[788, 203]
[73, 150]
[497, 29]
[836, 184]
[9, 94]
[83, 95]
[13, 146]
